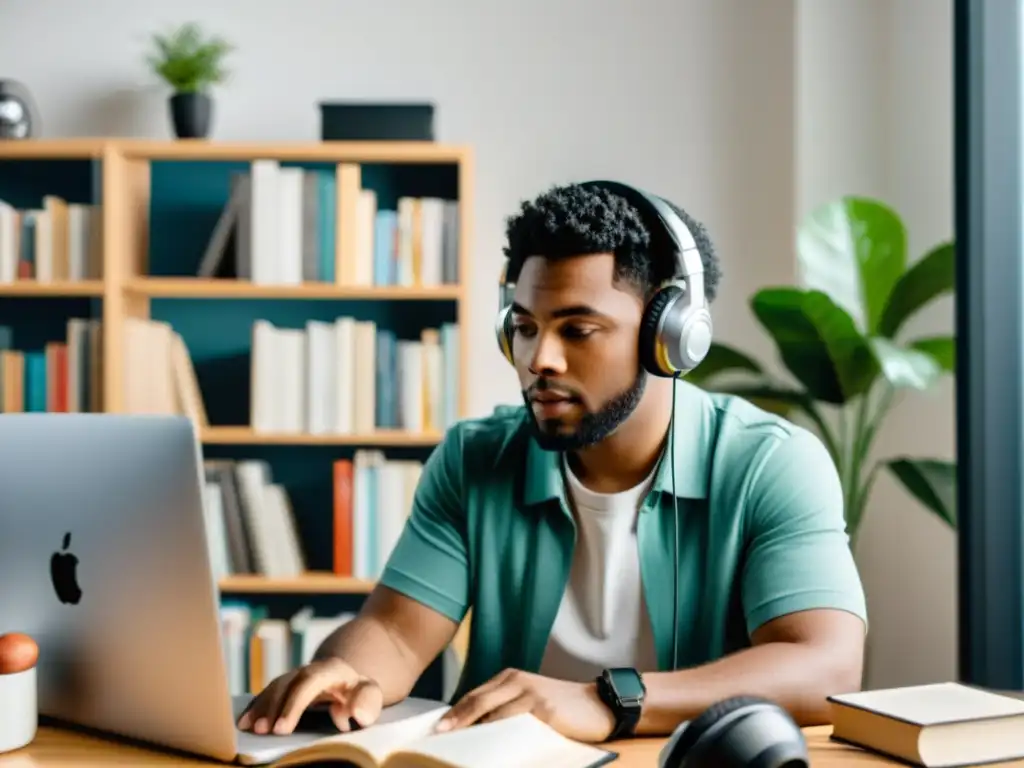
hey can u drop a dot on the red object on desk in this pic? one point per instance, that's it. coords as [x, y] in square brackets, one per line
[18, 652]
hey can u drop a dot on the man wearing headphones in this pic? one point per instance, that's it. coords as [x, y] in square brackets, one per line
[633, 548]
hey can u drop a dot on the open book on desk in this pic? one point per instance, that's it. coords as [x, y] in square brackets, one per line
[521, 741]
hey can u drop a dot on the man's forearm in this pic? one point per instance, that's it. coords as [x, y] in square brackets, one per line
[366, 644]
[796, 676]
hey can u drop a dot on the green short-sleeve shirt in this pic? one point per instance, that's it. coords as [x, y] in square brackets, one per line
[760, 528]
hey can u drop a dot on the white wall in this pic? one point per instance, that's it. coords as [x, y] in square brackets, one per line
[875, 118]
[747, 114]
[692, 99]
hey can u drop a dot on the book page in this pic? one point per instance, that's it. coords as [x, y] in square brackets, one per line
[517, 742]
[378, 741]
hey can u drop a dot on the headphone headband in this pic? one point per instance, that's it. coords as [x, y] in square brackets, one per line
[669, 234]
[675, 332]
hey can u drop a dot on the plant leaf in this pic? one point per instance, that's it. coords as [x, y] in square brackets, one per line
[817, 341]
[722, 359]
[904, 367]
[854, 250]
[930, 481]
[941, 348]
[187, 61]
[933, 275]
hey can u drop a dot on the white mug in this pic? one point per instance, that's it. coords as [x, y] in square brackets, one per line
[19, 711]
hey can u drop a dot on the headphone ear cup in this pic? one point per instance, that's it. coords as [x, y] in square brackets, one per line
[652, 354]
[700, 725]
[684, 337]
[503, 332]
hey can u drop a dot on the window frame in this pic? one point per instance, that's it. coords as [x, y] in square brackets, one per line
[989, 298]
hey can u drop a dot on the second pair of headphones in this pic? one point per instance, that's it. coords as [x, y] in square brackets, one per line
[739, 732]
[675, 330]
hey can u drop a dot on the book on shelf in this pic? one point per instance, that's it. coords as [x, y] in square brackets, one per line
[351, 377]
[258, 648]
[280, 226]
[250, 522]
[251, 527]
[59, 241]
[373, 496]
[413, 742]
[61, 377]
[159, 377]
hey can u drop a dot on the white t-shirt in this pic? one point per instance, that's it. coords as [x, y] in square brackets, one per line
[602, 619]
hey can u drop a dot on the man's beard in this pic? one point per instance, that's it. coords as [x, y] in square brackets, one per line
[592, 428]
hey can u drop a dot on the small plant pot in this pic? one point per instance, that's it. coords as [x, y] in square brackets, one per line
[191, 114]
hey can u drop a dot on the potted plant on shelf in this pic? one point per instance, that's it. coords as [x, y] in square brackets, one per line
[840, 337]
[190, 63]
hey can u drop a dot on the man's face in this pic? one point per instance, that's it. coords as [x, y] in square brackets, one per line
[575, 348]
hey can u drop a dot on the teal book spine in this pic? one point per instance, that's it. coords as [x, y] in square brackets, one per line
[384, 262]
[35, 382]
[328, 224]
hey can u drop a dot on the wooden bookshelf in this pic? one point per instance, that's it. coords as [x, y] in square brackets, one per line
[55, 289]
[123, 176]
[198, 288]
[54, 149]
[397, 152]
[382, 438]
[123, 173]
[307, 584]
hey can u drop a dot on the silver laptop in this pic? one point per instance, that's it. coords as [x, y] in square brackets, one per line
[103, 560]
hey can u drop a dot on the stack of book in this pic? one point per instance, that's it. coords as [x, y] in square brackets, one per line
[373, 497]
[351, 377]
[251, 527]
[280, 226]
[60, 241]
[250, 523]
[62, 377]
[259, 648]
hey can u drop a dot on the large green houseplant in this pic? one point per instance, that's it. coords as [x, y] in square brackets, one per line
[840, 336]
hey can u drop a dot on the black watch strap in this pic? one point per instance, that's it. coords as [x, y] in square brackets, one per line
[622, 690]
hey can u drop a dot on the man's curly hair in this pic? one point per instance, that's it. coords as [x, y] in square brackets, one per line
[571, 220]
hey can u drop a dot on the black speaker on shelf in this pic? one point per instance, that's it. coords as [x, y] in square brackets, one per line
[370, 121]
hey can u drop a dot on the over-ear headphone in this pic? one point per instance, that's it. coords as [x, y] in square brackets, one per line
[675, 330]
[735, 732]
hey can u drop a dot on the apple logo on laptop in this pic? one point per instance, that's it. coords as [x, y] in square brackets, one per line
[63, 573]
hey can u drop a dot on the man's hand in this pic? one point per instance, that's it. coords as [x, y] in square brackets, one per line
[278, 707]
[572, 709]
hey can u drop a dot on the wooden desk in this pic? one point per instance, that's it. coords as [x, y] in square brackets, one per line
[56, 747]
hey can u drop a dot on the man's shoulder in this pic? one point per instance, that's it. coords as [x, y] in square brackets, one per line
[485, 440]
[762, 460]
[748, 433]
[740, 416]
[503, 423]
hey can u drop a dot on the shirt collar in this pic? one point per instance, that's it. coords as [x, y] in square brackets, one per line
[692, 438]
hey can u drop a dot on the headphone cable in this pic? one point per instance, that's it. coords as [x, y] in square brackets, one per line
[675, 528]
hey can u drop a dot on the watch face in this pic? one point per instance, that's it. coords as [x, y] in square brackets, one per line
[627, 684]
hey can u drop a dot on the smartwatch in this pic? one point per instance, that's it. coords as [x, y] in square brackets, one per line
[622, 690]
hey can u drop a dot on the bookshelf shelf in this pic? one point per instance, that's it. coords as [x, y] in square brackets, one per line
[309, 152]
[310, 583]
[383, 438]
[59, 289]
[195, 288]
[53, 149]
